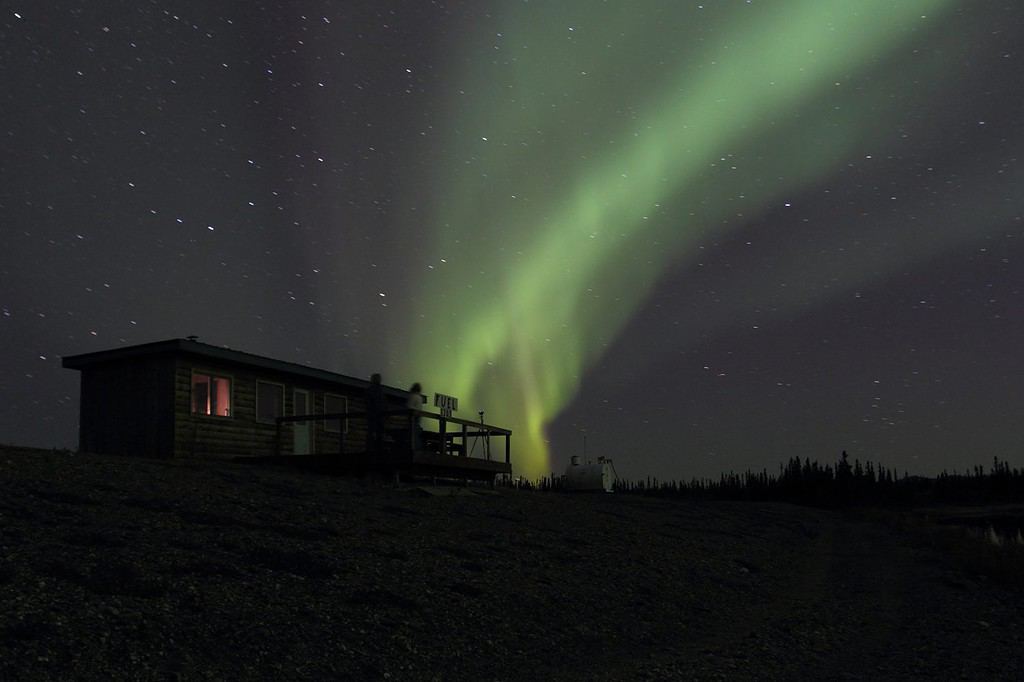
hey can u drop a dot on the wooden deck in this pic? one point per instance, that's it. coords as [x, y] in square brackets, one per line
[459, 449]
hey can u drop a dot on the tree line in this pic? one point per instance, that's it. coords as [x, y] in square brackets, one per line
[842, 484]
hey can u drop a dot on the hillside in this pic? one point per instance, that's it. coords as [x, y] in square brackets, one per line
[115, 568]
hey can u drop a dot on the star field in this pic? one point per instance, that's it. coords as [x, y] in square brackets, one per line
[708, 236]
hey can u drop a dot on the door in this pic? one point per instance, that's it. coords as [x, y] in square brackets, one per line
[303, 431]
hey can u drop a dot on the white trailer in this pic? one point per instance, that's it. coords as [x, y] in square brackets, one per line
[596, 476]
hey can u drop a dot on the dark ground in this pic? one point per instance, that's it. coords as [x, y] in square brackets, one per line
[116, 568]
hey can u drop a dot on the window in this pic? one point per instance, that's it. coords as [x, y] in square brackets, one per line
[335, 404]
[269, 401]
[211, 395]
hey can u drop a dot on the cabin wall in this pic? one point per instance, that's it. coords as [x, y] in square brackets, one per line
[241, 434]
[127, 408]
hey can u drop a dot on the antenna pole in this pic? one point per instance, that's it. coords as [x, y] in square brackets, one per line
[487, 436]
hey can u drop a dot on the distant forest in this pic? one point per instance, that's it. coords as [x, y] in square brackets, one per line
[843, 484]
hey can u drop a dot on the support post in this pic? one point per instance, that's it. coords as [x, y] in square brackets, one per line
[444, 438]
[508, 449]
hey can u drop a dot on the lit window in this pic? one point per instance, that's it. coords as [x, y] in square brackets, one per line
[211, 395]
[269, 401]
[335, 404]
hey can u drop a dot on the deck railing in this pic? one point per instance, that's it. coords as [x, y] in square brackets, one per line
[443, 441]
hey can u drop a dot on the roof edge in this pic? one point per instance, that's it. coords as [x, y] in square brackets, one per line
[205, 350]
[97, 357]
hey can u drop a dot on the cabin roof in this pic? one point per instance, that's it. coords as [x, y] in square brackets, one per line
[196, 349]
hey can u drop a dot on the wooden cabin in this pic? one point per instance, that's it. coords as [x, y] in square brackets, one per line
[183, 398]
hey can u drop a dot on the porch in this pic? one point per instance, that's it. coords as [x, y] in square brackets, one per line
[457, 449]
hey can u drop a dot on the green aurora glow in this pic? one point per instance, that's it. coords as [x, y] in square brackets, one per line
[597, 144]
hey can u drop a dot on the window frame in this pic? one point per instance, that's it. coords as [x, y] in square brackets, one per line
[329, 422]
[284, 404]
[211, 375]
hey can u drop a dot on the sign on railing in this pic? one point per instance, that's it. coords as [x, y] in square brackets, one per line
[446, 404]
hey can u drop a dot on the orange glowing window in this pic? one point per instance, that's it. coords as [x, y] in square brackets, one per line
[211, 395]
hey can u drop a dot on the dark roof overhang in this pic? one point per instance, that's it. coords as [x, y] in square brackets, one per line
[196, 349]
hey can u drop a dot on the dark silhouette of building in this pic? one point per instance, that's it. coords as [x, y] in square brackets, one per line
[183, 398]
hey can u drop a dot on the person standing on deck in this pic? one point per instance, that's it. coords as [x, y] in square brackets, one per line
[415, 402]
[375, 407]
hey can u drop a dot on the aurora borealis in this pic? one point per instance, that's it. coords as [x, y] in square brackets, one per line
[572, 206]
[708, 235]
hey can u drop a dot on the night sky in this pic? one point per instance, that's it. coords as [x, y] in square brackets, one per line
[707, 236]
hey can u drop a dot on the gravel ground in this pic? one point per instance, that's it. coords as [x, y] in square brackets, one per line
[118, 568]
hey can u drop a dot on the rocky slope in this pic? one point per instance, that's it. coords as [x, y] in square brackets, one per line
[117, 568]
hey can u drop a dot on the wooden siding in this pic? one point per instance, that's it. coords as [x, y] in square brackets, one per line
[241, 434]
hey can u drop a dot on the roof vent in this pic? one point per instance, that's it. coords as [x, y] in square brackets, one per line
[193, 337]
